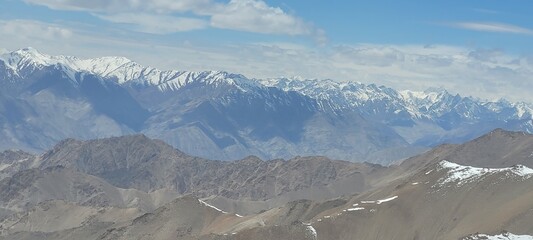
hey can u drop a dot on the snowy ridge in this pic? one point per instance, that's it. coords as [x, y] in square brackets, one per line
[503, 236]
[430, 104]
[460, 174]
[377, 103]
[124, 71]
[342, 94]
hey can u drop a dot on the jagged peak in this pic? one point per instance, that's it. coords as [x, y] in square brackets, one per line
[431, 94]
[29, 56]
[22, 56]
[27, 51]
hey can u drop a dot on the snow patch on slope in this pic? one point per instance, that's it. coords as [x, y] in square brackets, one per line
[503, 236]
[4, 166]
[386, 200]
[380, 201]
[312, 231]
[460, 174]
[355, 209]
[211, 206]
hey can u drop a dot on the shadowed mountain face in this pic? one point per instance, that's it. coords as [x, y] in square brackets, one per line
[124, 161]
[141, 163]
[224, 116]
[28, 188]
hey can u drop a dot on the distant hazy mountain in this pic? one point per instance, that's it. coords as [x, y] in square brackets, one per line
[219, 115]
[424, 118]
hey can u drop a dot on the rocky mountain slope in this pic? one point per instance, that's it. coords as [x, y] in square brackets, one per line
[28, 188]
[104, 171]
[450, 192]
[445, 201]
[442, 203]
[139, 162]
[498, 148]
[220, 115]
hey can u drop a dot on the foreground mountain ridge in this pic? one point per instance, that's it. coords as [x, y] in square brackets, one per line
[138, 162]
[220, 115]
[435, 195]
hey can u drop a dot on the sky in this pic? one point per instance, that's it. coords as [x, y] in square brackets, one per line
[480, 48]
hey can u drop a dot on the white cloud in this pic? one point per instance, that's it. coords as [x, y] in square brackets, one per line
[34, 29]
[257, 16]
[486, 11]
[116, 6]
[416, 67]
[149, 23]
[200, 7]
[493, 27]
[82, 5]
[242, 15]
[485, 73]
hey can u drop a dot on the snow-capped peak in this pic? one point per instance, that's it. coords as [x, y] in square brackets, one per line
[427, 97]
[24, 57]
[124, 71]
[29, 56]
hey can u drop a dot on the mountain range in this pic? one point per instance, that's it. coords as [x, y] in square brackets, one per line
[219, 115]
[134, 187]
